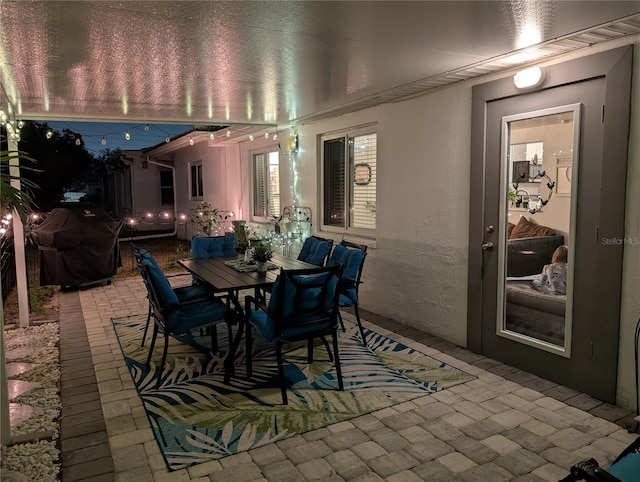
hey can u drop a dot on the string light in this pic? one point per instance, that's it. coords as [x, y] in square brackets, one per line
[228, 133]
[212, 136]
[251, 137]
[127, 136]
[191, 141]
[167, 139]
[49, 134]
[146, 127]
[103, 141]
[20, 124]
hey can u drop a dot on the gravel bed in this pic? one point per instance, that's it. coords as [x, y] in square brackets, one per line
[37, 460]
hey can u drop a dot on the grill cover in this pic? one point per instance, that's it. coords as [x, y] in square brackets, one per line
[77, 247]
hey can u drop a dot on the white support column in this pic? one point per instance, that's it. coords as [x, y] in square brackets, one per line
[18, 243]
[5, 422]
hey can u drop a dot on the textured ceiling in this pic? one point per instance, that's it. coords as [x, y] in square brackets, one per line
[268, 62]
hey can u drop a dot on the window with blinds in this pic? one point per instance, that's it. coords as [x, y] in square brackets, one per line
[195, 180]
[166, 186]
[349, 177]
[266, 184]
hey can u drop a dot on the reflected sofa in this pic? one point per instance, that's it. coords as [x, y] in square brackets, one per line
[529, 247]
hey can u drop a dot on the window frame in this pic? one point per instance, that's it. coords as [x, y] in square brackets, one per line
[349, 165]
[166, 187]
[200, 186]
[265, 152]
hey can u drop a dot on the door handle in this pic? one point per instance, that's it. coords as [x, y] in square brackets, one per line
[487, 246]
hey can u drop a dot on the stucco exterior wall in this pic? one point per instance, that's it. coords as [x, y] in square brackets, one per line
[417, 272]
[416, 269]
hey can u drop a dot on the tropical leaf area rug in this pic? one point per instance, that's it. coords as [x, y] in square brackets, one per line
[197, 418]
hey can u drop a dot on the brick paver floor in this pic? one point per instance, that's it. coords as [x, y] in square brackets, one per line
[505, 425]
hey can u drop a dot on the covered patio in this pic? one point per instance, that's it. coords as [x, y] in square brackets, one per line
[306, 71]
[505, 425]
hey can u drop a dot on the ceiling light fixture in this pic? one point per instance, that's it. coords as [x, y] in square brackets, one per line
[529, 78]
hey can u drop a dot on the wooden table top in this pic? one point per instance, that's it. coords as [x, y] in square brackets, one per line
[221, 277]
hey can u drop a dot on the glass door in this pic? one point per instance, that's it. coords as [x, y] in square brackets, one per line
[536, 245]
[548, 171]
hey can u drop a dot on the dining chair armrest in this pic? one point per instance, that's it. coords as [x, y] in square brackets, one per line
[349, 283]
[193, 301]
[249, 300]
[175, 275]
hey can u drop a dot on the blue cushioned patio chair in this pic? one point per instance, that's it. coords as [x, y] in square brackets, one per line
[315, 250]
[303, 306]
[213, 246]
[184, 293]
[175, 317]
[351, 257]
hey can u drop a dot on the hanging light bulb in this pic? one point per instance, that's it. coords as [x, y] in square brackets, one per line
[103, 141]
[266, 135]
[127, 136]
[49, 134]
[228, 133]
[191, 141]
[167, 139]
[251, 137]
[212, 136]
[146, 127]
[78, 141]
[275, 137]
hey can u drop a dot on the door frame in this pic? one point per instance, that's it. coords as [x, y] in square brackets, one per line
[615, 67]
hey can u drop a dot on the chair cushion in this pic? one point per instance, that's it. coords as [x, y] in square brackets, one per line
[310, 296]
[144, 254]
[166, 295]
[213, 247]
[318, 253]
[350, 259]
[267, 327]
[336, 254]
[196, 315]
[192, 292]
[308, 244]
[348, 297]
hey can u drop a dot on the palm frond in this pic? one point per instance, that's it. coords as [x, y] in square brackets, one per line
[15, 198]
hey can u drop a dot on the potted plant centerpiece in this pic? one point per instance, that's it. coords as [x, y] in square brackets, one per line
[261, 255]
[205, 217]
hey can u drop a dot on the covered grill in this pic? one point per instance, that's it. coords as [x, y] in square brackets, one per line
[78, 247]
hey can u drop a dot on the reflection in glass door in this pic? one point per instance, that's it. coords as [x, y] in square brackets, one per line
[536, 245]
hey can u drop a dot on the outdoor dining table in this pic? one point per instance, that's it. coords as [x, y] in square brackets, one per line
[225, 275]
